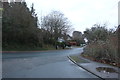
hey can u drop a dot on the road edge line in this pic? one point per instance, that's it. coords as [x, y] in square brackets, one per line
[83, 67]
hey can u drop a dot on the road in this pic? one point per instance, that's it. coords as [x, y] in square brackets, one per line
[42, 64]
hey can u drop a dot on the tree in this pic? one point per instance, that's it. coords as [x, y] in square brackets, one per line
[97, 32]
[56, 24]
[103, 44]
[20, 25]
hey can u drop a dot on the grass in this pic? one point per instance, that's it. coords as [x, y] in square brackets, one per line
[78, 59]
[27, 48]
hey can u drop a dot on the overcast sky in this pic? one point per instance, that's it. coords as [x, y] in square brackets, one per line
[82, 13]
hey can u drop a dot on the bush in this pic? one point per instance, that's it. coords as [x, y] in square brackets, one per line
[102, 50]
[103, 44]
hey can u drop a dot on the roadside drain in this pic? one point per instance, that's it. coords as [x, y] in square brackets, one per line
[106, 70]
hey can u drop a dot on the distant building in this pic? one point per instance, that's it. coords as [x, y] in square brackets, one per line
[76, 35]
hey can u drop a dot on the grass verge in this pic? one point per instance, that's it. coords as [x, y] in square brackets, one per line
[78, 59]
[100, 60]
[27, 48]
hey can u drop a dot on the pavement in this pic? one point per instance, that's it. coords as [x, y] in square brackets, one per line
[91, 66]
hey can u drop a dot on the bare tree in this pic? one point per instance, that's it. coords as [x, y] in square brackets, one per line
[56, 24]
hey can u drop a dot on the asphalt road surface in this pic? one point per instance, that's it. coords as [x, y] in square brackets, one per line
[42, 64]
